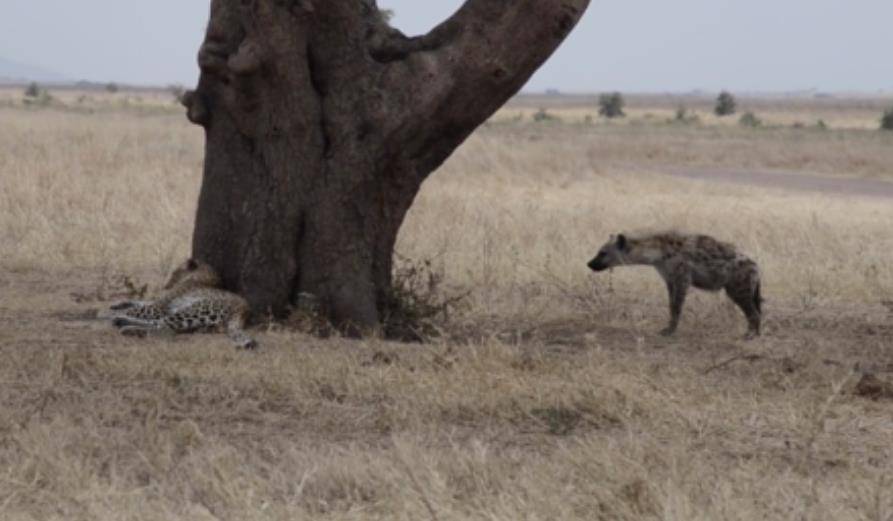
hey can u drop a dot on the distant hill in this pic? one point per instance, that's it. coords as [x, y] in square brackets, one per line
[13, 72]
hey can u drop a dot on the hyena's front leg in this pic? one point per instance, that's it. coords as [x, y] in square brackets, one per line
[678, 279]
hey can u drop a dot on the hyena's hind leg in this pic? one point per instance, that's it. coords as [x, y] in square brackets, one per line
[744, 291]
[678, 279]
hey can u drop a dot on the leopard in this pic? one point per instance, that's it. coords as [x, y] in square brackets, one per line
[192, 301]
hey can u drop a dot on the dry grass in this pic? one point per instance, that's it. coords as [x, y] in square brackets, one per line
[550, 397]
[89, 190]
[633, 144]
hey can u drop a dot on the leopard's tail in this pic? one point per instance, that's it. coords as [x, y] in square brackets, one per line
[235, 330]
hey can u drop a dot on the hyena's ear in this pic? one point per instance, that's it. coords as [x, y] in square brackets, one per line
[191, 264]
[621, 242]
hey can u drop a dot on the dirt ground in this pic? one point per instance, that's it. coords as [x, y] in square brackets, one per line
[639, 427]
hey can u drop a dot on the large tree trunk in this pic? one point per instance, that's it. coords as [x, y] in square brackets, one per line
[322, 122]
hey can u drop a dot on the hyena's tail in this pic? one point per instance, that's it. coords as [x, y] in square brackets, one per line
[758, 298]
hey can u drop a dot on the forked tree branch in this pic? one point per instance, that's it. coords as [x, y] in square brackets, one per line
[467, 67]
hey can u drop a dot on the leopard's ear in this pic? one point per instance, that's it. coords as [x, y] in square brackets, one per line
[191, 264]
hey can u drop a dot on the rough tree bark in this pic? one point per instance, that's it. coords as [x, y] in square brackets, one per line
[321, 124]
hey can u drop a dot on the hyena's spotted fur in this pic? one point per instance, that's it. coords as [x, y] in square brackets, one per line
[690, 260]
[191, 301]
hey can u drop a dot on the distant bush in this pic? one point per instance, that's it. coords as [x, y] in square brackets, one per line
[35, 96]
[112, 87]
[417, 301]
[610, 105]
[749, 119]
[542, 116]
[32, 90]
[887, 119]
[821, 125]
[725, 104]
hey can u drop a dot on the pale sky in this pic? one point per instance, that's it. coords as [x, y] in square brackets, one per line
[628, 45]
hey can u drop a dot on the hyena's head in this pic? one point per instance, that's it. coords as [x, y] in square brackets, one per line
[613, 253]
[193, 273]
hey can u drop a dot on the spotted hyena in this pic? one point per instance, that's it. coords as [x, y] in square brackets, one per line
[689, 260]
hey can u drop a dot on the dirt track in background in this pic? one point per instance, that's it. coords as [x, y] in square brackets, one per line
[787, 180]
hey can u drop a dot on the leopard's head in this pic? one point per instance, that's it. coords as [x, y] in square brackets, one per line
[193, 273]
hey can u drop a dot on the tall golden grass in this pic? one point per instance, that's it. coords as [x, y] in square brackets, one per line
[549, 396]
[515, 202]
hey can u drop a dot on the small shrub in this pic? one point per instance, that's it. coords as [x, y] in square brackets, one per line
[749, 119]
[112, 87]
[610, 105]
[725, 104]
[587, 120]
[887, 119]
[32, 90]
[119, 287]
[417, 301]
[821, 125]
[542, 115]
[42, 98]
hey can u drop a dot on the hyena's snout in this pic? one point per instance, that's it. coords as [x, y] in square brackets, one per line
[598, 264]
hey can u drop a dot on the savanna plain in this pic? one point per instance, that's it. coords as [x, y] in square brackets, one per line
[542, 391]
